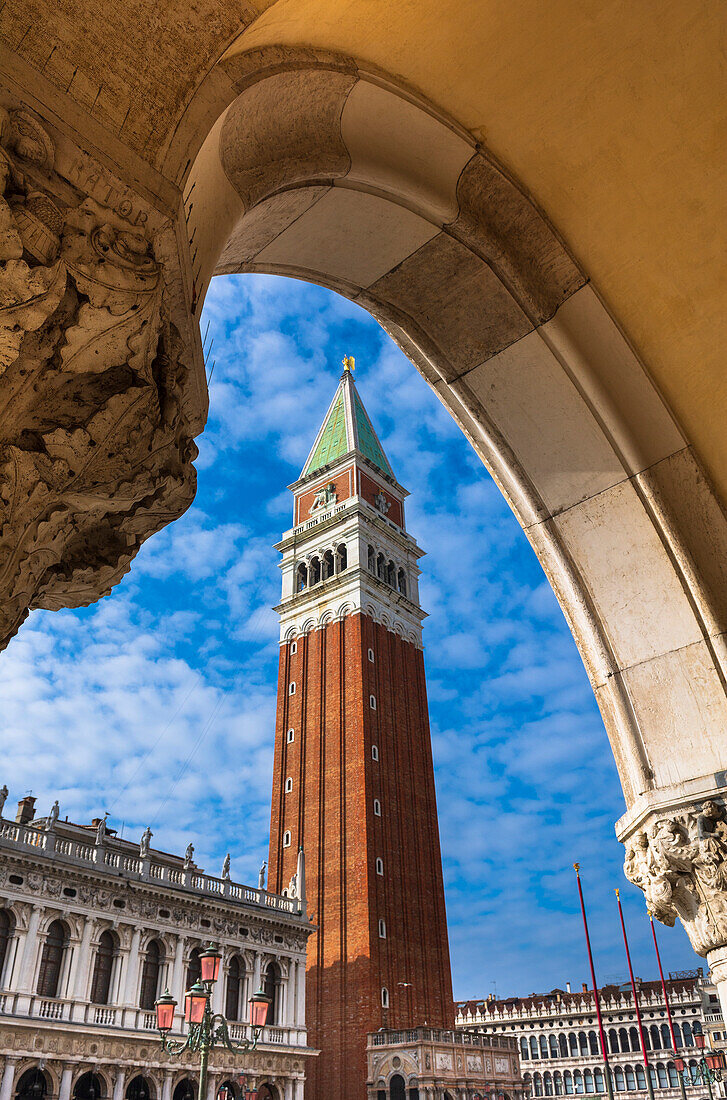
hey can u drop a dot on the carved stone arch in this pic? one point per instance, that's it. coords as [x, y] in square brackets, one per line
[19, 915]
[307, 626]
[99, 1071]
[325, 619]
[48, 1069]
[291, 634]
[49, 916]
[399, 628]
[343, 610]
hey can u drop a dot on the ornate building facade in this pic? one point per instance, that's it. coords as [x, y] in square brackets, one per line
[92, 931]
[557, 1035]
[353, 775]
[431, 1064]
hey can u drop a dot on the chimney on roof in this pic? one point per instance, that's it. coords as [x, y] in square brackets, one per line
[567, 987]
[584, 987]
[26, 810]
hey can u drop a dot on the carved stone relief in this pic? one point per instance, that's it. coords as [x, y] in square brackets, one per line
[96, 444]
[681, 865]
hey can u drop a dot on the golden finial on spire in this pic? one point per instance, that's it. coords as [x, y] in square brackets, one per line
[349, 363]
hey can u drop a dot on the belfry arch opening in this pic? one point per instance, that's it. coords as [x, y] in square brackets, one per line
[320, 171]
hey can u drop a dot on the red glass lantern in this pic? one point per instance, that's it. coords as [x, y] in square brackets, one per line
[719, 1059]
[209, 962]
[699, 1040]
[679, 1063]
[195, 1002]
[259, 1004]
[711, 1061]
[165, 1007]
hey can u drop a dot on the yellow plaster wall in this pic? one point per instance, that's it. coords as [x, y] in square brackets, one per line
[613, 115]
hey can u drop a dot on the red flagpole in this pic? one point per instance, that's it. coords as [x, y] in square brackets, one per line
[604, 1048]
[636, 999]
[667, 1005]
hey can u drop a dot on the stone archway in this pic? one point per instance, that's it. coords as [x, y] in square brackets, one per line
[317, 167]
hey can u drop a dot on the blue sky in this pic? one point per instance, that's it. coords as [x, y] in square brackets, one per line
[158, 704]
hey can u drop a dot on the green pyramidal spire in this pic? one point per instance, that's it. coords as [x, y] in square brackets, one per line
[346, 428]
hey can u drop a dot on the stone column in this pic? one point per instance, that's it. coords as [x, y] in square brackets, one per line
[212, 1085]
[64, 1092]
[119, 1084]
[678, 857]
[79, 978]
[300, 993]
[8, 1077]
[167, 1084]
[132, 969]
[30, 951]
[218, 989]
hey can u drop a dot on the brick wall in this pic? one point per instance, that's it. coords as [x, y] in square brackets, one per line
[330, 812]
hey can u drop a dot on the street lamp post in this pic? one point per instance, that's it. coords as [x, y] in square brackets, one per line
[207, 1029]
[710, 1066]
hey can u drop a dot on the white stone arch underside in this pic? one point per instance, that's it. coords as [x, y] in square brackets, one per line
[323, 171]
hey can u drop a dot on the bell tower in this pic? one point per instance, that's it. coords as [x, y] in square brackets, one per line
[353, 781]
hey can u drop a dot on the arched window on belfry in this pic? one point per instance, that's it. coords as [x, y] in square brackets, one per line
[342, 557]
[391, 574]
[371, 559]
[381, 567]
[402, 583]
[328, 567]
[301, 577]
[314, 571]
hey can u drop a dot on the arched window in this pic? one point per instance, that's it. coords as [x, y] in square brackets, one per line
[314, 571]
[5, 930]
[374, 752]
[598, 1079]
[558, 1082]
[391, 574]
[102, 967]
[288, 785]
[655, 1037]
[593, 1042]
[673, 1076]
[634, 1039]
[194, 968]
[372, 702]
[568, 1082]
[272, 987]
[234, 987]
[286, 838]
[384, 997]
[618, 1079]
[543, 1047]
[377, 808]
[665, 1037]
[533, 1047]
[33, 1085]
[328, 566]
[640, 1077]
[342, 555]
[371, 560]
[402, 582]
[578, 1082]
[548, 1083]
[538, 1082]
[553, 1044]
[381, 567]
[89, 1086]
[138, 1089]
[652, 1076]
[588, 1080]
[630, 1079]
[150, 976]
[678, 1035]
[185, 1090]
[623, 1039]
[290, 736]
[573, 1043]
[613, 1040]
[663, 1079]
[382, 929]
[51, 960]
[301, 577]
[379, 865]
[523, 1047]
[397, 1087]
[687, 1033]
[563, 1045]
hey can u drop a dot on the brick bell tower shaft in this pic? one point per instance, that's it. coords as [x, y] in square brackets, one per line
[353, 781]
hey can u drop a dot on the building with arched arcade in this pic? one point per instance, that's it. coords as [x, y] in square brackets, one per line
[558, 1041]
[94, 928]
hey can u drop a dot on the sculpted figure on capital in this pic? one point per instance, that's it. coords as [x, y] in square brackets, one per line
[682, 869]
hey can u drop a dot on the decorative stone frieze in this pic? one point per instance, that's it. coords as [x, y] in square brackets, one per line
[97, 357]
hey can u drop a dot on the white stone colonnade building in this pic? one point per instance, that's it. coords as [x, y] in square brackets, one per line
[92, 932]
